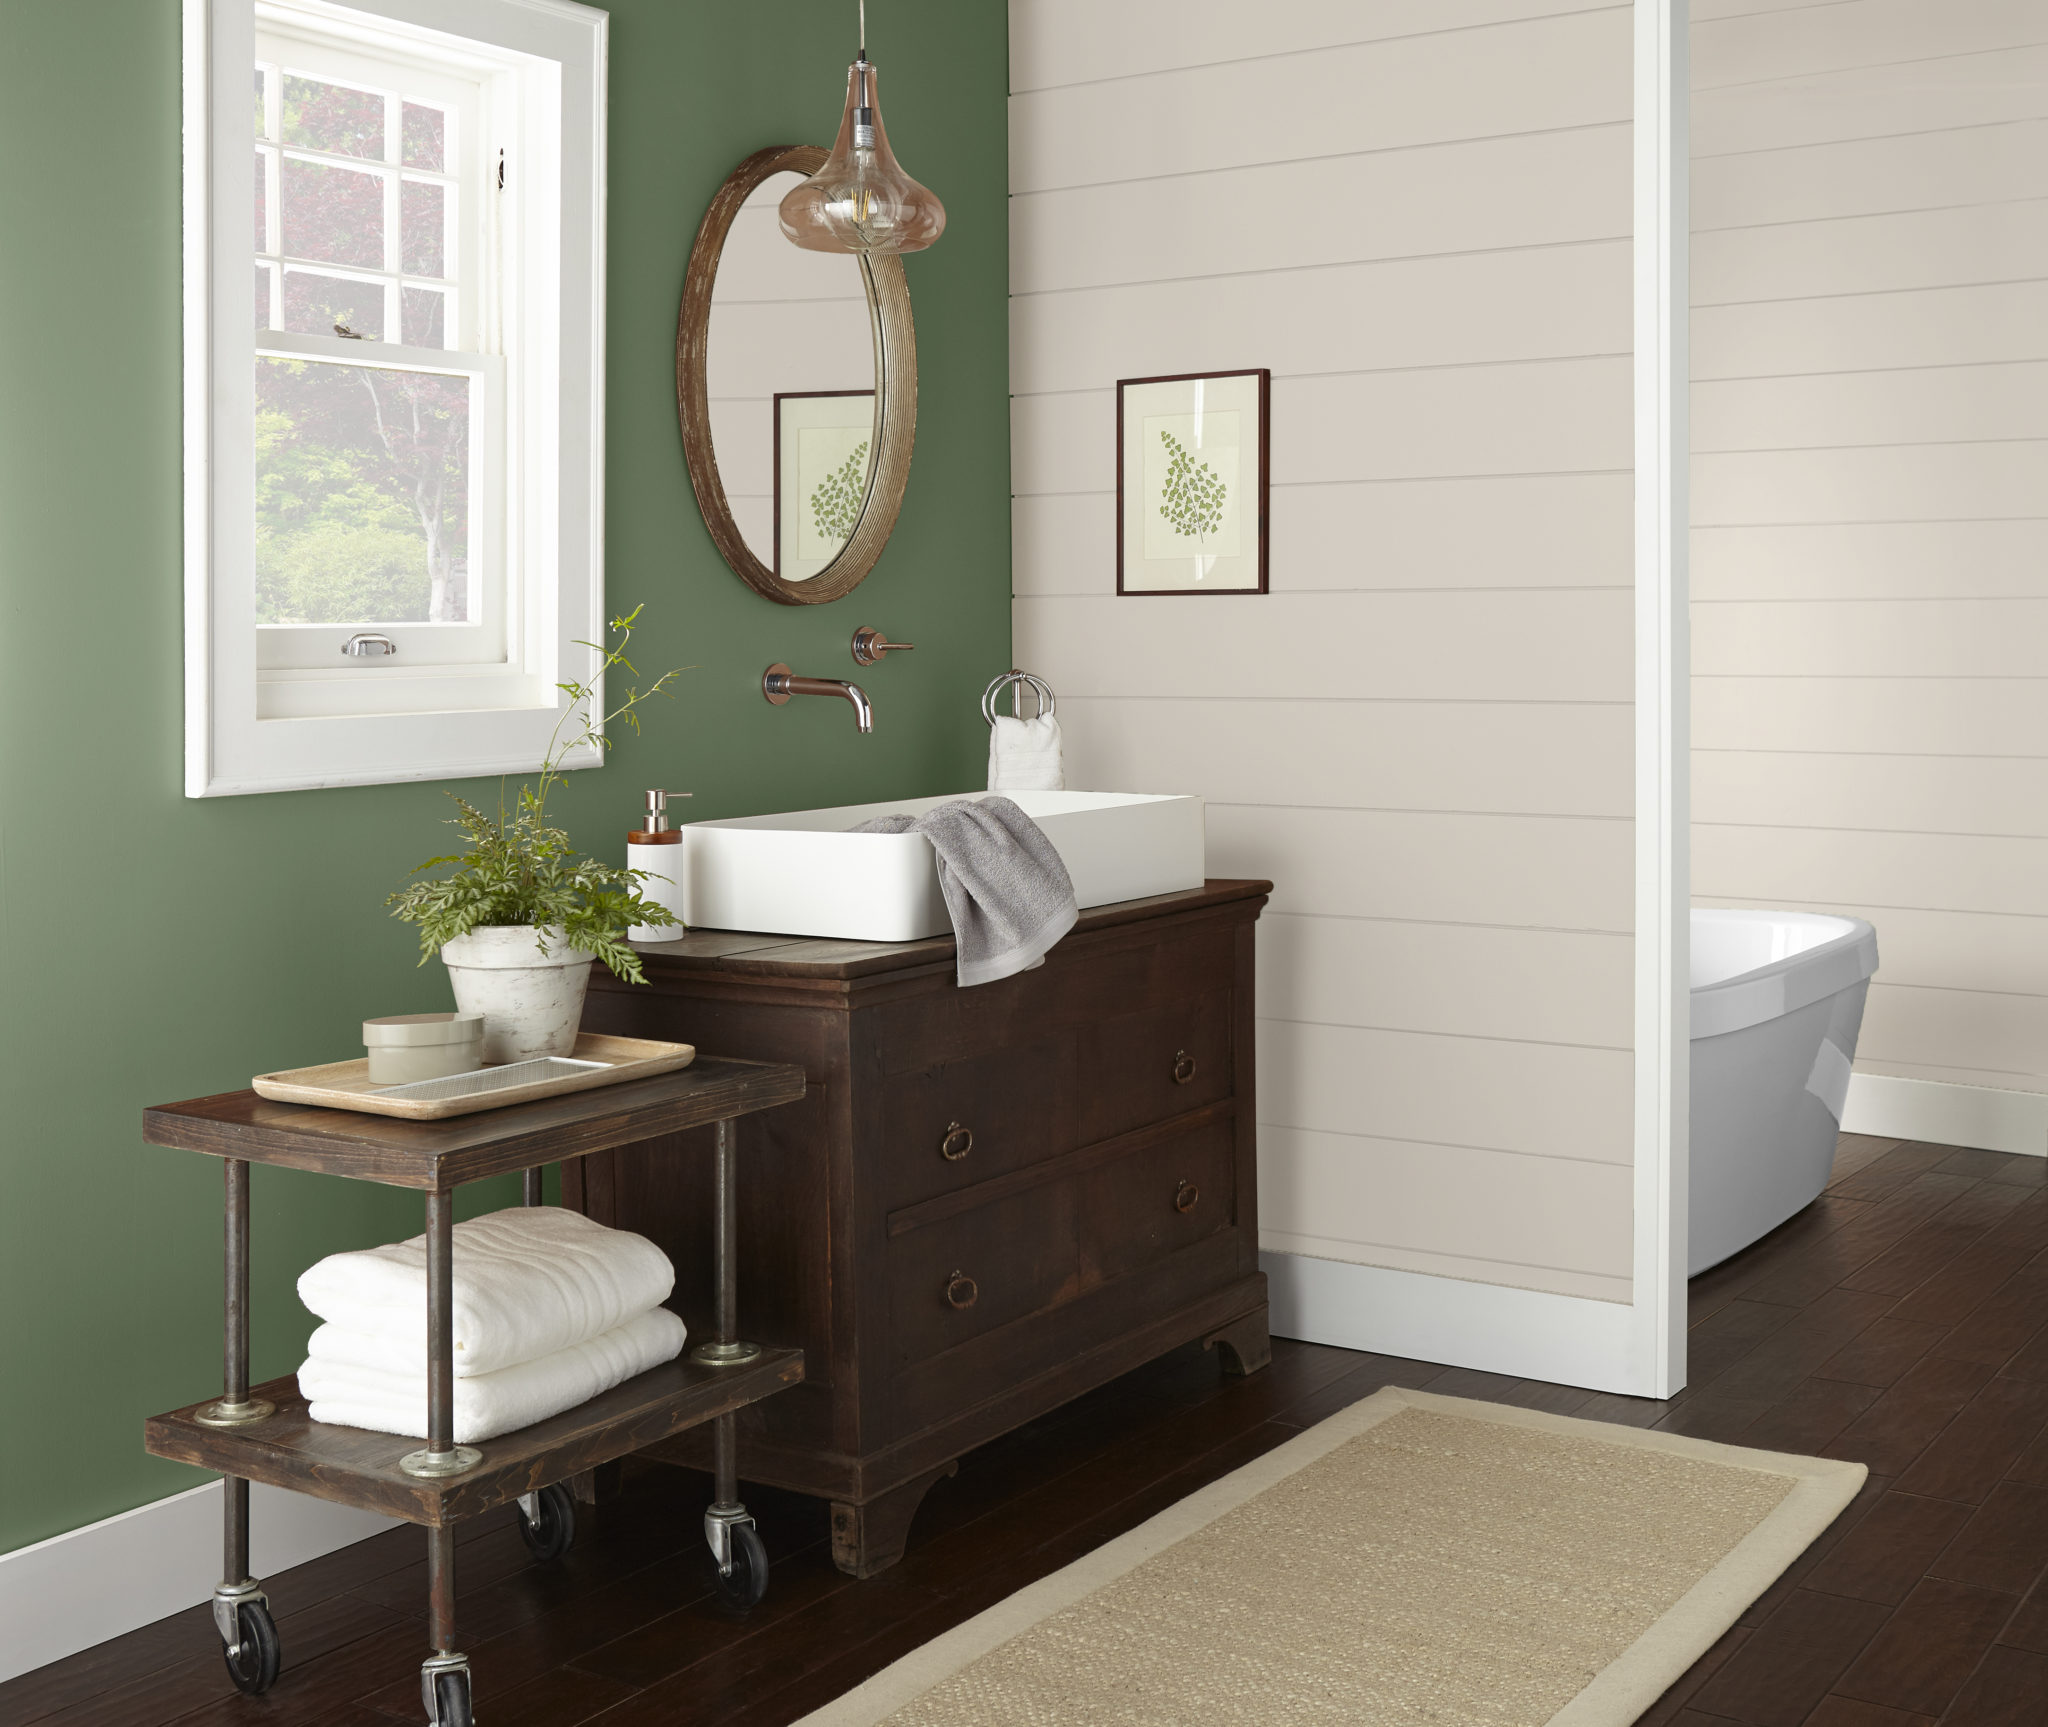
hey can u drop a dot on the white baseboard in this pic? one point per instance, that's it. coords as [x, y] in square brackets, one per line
[80, 1588]
[1944, 1114]
[1525, 1332]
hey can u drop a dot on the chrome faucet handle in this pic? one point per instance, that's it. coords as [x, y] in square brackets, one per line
[869, 646]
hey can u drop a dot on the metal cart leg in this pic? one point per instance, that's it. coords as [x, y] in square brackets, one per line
[241, 1610]
[444, 1675]
[442, 1455]
[726, 1349]
[728, 1526]
[235, 1407]
[529, 1188]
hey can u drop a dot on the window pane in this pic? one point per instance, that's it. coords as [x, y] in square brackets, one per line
[423, 317]
[259, 101]
[426, 138]
[315, 304]
[362, 500]
[423, 228]
[333, 214]
[334, 118]
[263, 297]
[262, 206]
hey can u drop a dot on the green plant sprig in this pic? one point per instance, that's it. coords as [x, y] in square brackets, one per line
[518, 870]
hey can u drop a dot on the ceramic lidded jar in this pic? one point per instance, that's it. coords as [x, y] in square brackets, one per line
[531, 1000]
[415, 1046]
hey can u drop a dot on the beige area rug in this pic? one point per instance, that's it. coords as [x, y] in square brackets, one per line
[1415, 1559]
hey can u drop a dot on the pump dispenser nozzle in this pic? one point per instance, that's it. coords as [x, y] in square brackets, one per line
[657, 811]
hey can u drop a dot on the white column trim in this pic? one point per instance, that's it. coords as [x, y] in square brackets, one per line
[1663, 698]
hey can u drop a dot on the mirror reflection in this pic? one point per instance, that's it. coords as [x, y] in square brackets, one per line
[791, 379]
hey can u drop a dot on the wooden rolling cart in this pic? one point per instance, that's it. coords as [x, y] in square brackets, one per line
[263, 1433]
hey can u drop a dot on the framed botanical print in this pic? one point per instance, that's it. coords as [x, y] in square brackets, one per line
[1191, 483]
[824, 455]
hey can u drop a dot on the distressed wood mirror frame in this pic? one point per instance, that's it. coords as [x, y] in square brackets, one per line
[895, 393]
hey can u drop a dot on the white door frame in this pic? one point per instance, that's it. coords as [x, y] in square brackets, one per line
[1663, 817]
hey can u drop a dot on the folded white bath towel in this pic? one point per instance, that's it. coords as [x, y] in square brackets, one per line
[488, 1404]
[1024, 755]
[528, 1281]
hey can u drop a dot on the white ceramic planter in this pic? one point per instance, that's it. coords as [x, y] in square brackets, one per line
[531, 1001]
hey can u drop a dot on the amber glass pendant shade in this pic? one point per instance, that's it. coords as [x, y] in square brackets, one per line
[860, 200]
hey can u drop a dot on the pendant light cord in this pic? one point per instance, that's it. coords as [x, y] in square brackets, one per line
[863, 31]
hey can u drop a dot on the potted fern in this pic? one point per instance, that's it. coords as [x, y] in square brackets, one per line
[522, 919]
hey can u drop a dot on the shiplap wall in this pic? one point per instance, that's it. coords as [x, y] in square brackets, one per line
[1417, 214]
[1870, 500]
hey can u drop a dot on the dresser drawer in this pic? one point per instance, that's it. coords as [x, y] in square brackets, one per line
[1146, 1067]
[1144, 1207]
[1075, 990]
[960, 1122]
[952, 1280]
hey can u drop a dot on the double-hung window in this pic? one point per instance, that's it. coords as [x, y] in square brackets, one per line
[394, 363]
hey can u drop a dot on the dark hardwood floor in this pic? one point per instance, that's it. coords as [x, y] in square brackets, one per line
[1901, 1321]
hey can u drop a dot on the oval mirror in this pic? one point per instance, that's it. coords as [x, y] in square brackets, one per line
[796, 384]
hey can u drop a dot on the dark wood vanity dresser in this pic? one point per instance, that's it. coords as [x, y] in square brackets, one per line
[989, 1201]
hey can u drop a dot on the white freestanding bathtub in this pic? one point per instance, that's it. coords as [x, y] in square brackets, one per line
[1777, 1000]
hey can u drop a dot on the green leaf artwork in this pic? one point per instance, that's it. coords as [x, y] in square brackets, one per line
[1192, 501]
[835, 505]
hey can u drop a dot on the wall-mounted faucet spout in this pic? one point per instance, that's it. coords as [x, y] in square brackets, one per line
[779, 683]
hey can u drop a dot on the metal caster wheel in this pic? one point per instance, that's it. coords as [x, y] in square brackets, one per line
[451, 1701]
[745, 1579]
[253, 1660]
[547, 1522]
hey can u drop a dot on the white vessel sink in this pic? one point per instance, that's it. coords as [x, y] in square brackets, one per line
[803, 873]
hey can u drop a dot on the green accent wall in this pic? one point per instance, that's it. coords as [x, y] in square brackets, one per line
[154, 948]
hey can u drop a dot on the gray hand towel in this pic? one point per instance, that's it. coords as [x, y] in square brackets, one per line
[1006, 890]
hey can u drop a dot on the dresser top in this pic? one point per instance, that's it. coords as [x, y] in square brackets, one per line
[820, 957]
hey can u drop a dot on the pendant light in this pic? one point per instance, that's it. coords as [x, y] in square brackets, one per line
[860, 200]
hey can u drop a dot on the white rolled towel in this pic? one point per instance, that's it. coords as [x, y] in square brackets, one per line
[529, 1281]
[1024, 755]
[348, 1394]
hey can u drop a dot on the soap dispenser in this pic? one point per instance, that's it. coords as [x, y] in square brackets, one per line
[658, 849]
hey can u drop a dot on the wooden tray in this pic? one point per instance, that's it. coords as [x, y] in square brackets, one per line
[346, 1084]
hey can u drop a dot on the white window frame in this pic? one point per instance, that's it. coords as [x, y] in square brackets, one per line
[457, 90]
[297, 663]
[538, 351]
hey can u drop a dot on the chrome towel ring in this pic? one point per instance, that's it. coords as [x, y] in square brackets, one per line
[1015, 681]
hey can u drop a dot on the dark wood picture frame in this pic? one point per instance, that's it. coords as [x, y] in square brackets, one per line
[775, 446]
[1265, 416]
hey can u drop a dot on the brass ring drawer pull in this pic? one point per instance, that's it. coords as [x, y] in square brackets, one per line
[1183, 1068]
[1186, 1197]
[961, 1291]
[958, 1142]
